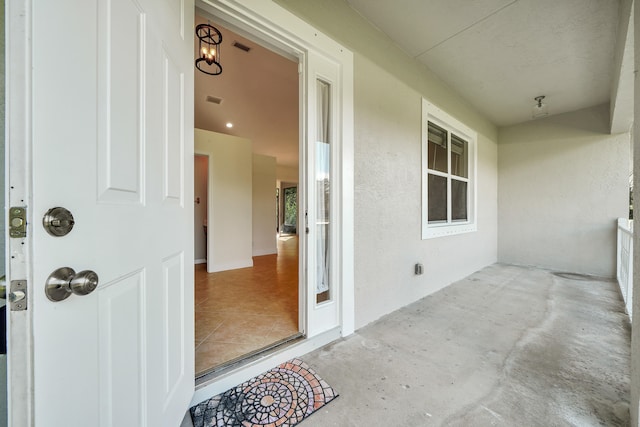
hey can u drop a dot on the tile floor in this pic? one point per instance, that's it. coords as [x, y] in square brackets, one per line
[243, 310]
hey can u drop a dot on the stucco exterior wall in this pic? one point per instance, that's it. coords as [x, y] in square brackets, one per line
[563, 182]
[388, 91]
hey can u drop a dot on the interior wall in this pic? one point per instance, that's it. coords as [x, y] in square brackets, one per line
[388, 92]
[563, 184]
[230, 220]
[201, 177]
[264, 205]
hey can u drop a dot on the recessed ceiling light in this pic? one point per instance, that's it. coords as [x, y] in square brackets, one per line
[229, 125]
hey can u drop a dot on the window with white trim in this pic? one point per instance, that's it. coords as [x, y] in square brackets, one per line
[448, 174]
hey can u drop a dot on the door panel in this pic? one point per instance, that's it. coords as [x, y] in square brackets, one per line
[173, 129]
[110, 104]
[121, 82]
[122, 355]
[173, 322]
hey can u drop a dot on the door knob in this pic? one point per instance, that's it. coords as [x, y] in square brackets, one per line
[65, 281]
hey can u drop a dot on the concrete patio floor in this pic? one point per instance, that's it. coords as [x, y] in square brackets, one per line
[506, 346]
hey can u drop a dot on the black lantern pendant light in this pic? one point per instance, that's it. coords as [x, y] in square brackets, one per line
[209, 39]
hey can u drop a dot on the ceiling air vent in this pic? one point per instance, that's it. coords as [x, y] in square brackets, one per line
[214, 100]
[241, 46]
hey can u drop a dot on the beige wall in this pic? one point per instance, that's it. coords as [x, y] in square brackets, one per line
[563, 183]
[264, 205]
[389, 87]
[230, 199]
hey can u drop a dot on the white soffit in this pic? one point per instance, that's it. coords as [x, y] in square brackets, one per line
[419, 25]
[500, 54]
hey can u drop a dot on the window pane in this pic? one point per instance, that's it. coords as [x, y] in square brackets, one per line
[459, 156]
[323, 192]
[458, 200]
[437, 186]
[437, 148]
[291, 208]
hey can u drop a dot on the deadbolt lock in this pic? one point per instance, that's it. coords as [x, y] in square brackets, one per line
[58, 221]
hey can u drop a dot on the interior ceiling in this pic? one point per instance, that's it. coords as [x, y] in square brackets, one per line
[259, 92]
[500, 54]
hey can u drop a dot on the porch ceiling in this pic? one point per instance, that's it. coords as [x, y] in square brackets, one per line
[500, 54]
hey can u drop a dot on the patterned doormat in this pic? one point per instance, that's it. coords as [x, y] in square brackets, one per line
[281, 397]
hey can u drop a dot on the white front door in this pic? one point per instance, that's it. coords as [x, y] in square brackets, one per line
[112, 123]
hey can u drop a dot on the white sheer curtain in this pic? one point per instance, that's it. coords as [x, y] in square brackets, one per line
[323, 191]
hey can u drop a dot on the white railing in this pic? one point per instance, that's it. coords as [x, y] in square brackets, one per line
[625, 262]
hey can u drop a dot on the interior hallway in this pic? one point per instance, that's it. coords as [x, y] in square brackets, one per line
[243, 310]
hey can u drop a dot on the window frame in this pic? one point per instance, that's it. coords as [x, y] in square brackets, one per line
[433, 114]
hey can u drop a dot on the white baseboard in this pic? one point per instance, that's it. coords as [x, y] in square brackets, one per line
[231, 265]
[200, 261]
[265, 251]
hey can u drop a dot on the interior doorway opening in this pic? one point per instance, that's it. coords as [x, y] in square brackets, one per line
[249, 303]
[289, 209]
[200, 211]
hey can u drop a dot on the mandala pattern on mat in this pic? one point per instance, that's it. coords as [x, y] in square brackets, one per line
[281, 397]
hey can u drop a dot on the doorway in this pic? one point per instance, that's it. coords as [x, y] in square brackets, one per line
[247, 145]
[200, 193]
[289, 209]
[151, 385]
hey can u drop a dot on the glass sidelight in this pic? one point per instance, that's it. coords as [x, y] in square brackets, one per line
[323, 192]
